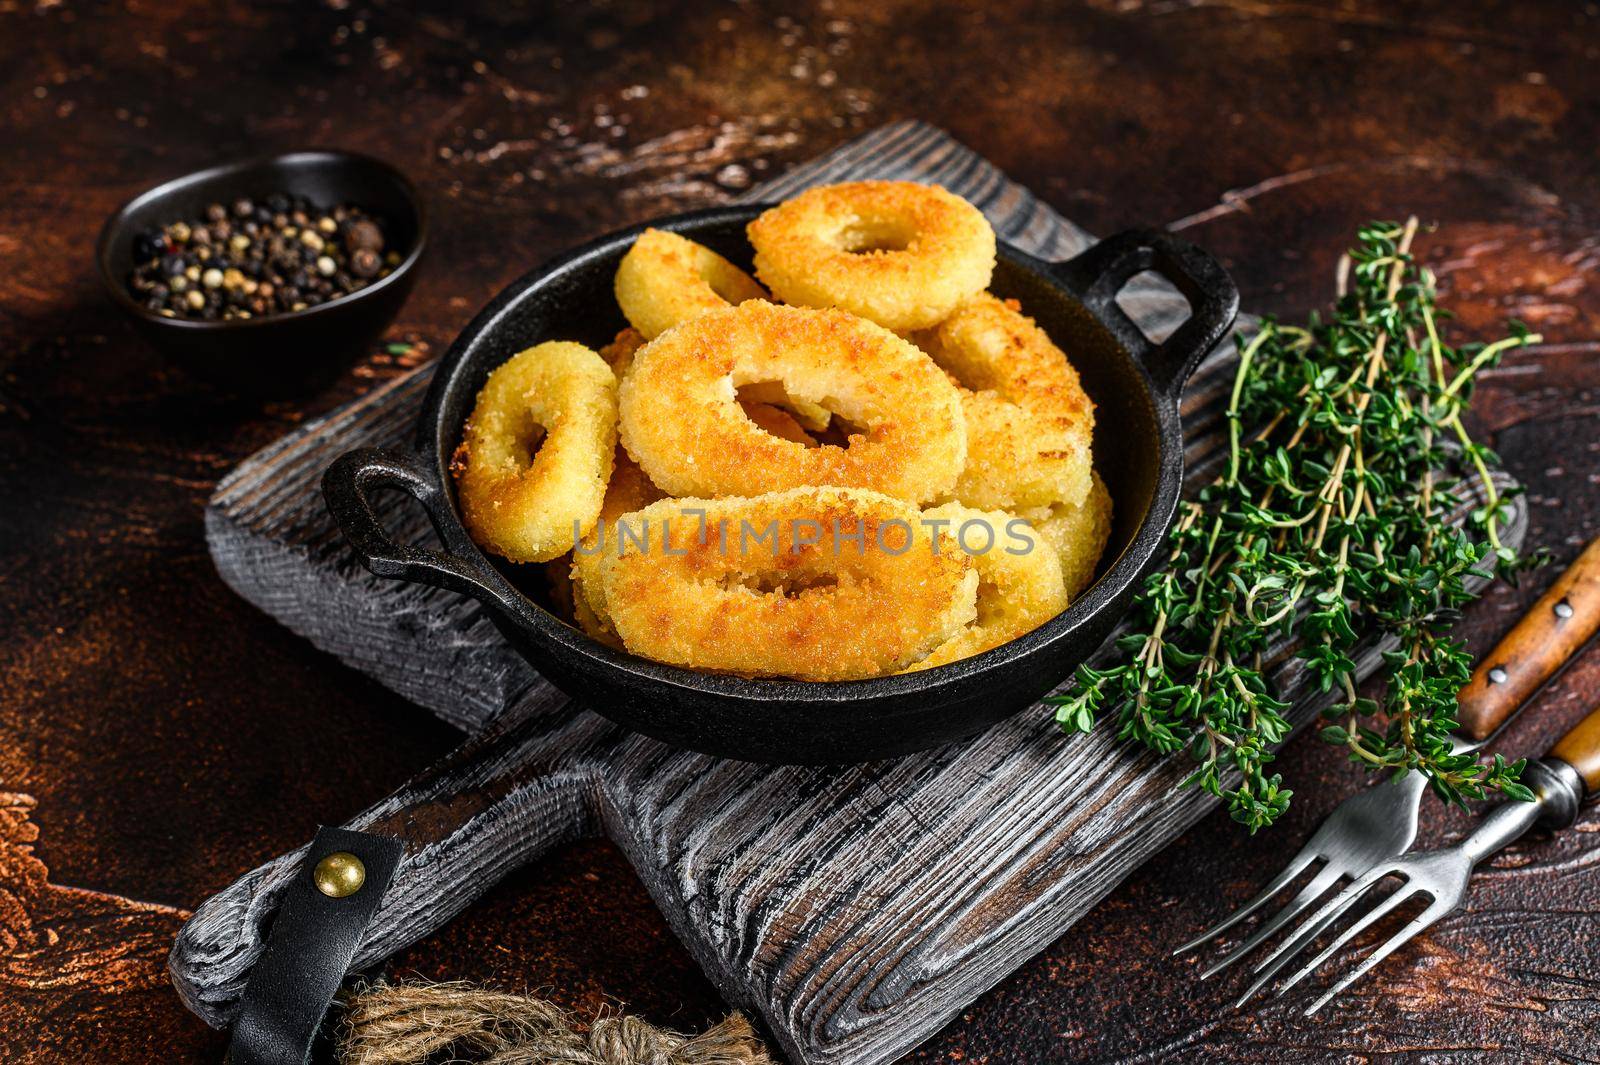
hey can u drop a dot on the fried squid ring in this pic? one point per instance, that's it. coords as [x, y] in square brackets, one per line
[680, 419]
[629, 490]
[619, 353]
[1019, 579]
[765, 402]
[537, 451]
[558, 577]
[1029, 422]
[665, 279]
[1078, 533]
[812, 583]
[897, 253]
[572, 606]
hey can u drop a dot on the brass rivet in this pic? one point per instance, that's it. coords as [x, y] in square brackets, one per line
[339, 875]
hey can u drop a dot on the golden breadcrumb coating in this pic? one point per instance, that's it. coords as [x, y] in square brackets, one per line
[681, 421]
[1078, 533]
[777, 421]
[619, 353]
[896, 253]
[665, 279]
[1029, 422]
[1019, 579]
[812, 583]
[629, 490]
[536, 454]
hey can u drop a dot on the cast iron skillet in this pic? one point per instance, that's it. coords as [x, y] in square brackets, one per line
[1138, 450]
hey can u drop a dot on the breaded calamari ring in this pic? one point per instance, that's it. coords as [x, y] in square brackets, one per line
[897, 253]
[770, 394]
[571, 604]
[812, 583]
[1019, 579]
[592, 624]
[1078, 533]
[1029, 423]
[537, 450]
[765, 402]
[665, 279]
[619, 353]
[629, 490]
[680, 419]
[558, 576]
[779, 420]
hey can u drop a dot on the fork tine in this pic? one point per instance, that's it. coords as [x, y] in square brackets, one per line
[1298, 905]
[1284, 952]
[1290, 871]
[1421, 921]
[1405, 891]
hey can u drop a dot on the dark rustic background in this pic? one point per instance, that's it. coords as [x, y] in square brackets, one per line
[159, 737]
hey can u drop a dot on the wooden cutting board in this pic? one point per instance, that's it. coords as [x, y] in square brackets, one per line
[854, 910]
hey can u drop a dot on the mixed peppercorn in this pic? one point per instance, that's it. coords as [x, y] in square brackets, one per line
[251, 260]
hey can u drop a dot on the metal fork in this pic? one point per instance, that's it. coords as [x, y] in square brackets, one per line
[1380, 824]
[1560, 782]
[1366, 830]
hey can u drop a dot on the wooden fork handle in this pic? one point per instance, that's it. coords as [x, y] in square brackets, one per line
[1560, 622]
[1580, 748]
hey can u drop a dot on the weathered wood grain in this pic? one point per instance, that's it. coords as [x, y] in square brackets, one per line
[853, 909]
[62, 946]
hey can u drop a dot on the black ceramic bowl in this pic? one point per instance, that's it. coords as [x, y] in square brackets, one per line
[285, 354]
[1138, 451]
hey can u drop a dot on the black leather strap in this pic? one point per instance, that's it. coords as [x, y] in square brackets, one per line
[308, 953]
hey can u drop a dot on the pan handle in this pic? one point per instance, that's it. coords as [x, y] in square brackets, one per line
[1099, 273]
[347, 487]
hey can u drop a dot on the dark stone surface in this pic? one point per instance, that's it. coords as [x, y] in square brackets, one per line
[172, 737]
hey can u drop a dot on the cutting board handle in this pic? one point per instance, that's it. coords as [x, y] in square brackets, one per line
[524, 785]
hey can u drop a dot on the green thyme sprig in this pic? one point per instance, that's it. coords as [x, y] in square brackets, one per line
[1328, 525]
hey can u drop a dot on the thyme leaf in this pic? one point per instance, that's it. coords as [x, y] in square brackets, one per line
[1329, 525]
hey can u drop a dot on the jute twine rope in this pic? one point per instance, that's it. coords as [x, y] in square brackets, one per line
[411, 1023]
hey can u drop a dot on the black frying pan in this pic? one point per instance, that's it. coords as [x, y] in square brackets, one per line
[1138, 450]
